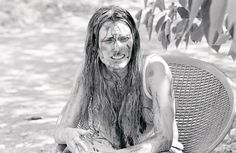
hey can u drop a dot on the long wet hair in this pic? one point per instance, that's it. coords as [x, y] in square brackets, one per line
[99, 91]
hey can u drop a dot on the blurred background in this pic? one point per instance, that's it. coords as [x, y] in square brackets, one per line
[41, 48]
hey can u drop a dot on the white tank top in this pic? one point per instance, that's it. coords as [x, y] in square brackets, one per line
[155, 58]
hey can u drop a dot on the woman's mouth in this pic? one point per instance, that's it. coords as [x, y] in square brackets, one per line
[118, 57]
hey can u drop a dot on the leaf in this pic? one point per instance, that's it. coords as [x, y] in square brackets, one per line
[177, 42]
[165, 42]
[145, 3]
[163, 26]
[231, 31]
[162, 32]
[160, 4]
[163, 37]
[216, 47]
[167, 27]
[150, 25]
[180, 29]
[232, 51]
[146, 17]
[190, 4]
[194, 8]
[183, 3]
[205, 24]
[138, 17]
[232, 23]
[222, 38]
[231, 14]
[199, 15]
[183, 12]
[159, 23]
[186, 38]
[216, 18]
[194, 26]
[139, 14]
[226, 22]
[180, 26]
[174, 29]
[197, 34]
[232, 26]
[205, 18]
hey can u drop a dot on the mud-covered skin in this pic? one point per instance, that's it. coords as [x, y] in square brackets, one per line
[115, 44]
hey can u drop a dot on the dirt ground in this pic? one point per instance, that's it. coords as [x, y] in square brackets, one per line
[37, 68]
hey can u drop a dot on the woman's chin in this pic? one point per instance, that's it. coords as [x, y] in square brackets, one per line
[120, 65]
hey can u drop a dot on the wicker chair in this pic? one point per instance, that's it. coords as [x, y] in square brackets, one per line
[204, 103]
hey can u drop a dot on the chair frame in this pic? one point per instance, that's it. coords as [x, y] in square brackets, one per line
[185, 60]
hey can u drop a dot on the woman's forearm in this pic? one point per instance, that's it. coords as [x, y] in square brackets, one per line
[155, 144]
[59, 135]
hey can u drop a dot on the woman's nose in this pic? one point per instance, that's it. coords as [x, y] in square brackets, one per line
[117, 46]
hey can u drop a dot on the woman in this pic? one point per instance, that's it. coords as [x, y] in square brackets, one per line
[121, 102]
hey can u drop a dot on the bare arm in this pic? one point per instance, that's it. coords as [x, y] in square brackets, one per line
[160, 87]
[66, 131]
[69, 115]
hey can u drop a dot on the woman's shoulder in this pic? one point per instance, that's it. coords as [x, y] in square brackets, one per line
[153, 65]
[155, 62]
[148, 56]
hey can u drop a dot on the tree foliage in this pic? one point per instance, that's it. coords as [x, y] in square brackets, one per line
[191, 20]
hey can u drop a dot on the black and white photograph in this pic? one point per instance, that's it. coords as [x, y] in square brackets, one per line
[117, 76]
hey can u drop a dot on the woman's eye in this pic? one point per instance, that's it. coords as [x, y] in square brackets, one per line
[109, 41]
[123, 39]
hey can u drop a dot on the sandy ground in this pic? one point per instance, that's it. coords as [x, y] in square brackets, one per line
[36, 75]
[37, 68]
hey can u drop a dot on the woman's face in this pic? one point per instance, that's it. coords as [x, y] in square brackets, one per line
[115, 44]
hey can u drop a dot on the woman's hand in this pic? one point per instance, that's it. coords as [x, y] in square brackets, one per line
[74, 139]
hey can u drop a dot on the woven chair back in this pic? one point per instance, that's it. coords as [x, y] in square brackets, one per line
[204, 103]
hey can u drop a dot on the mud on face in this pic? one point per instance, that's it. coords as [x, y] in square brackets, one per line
[115, 44]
